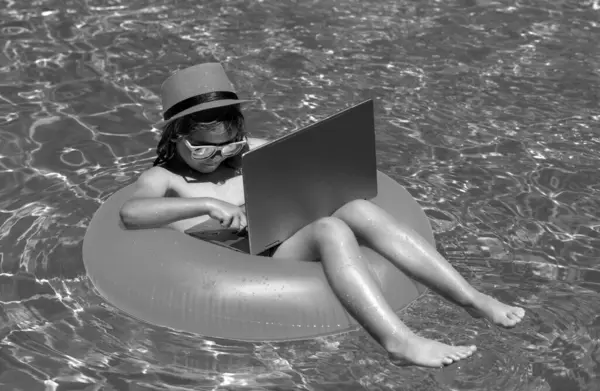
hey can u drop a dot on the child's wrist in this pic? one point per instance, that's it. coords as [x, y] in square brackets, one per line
[208, 204]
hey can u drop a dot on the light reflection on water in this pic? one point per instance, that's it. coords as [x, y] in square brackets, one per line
[486, 111]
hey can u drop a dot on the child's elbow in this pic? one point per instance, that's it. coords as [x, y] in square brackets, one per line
[128, 216]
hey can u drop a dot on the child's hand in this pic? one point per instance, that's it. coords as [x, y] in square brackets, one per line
[229, 215]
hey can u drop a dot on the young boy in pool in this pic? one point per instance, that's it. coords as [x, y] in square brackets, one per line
[196, 176]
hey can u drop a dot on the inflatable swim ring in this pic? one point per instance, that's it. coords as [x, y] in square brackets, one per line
[171, 279]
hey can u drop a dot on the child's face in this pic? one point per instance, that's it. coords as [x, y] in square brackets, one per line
[217, 136]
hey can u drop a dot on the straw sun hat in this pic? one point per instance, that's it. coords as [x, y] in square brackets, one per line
[197, 88]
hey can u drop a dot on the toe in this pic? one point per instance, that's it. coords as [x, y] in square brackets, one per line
[470, 349]
[511, 315]
[517, 316]
[508, 322]
[465, 353]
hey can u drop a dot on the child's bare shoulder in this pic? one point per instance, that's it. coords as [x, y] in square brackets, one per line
[155, 181]
[155, 174]
[254, 142]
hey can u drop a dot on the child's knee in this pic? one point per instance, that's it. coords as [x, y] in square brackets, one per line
[331, 228]
[357, 208]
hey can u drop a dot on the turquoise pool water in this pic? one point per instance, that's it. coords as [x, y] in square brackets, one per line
[487, 111]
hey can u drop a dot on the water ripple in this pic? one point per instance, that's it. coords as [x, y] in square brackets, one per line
[485, 111]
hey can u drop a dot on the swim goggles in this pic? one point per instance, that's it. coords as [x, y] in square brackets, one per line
[205, 152]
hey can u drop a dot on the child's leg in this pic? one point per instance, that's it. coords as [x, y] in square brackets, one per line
[332, 241]
[414, 255]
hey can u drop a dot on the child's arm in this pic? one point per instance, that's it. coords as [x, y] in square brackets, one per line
[149, 208]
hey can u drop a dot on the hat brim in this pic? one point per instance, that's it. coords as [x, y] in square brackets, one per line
[202, 107]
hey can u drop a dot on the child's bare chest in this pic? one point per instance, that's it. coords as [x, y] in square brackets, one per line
[231, 190]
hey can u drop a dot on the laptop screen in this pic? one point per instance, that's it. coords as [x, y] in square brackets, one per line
[308, 174]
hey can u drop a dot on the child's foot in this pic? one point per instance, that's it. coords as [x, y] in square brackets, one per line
[501, 314]
[427, 353]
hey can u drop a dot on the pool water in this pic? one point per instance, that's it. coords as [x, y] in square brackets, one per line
[486, 111]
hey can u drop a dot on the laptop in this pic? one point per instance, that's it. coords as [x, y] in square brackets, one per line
[301, 177]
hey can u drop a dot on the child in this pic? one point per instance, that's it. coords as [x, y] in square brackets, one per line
[197, 176]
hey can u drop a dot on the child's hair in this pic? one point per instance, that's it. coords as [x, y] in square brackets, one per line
[230, 116]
